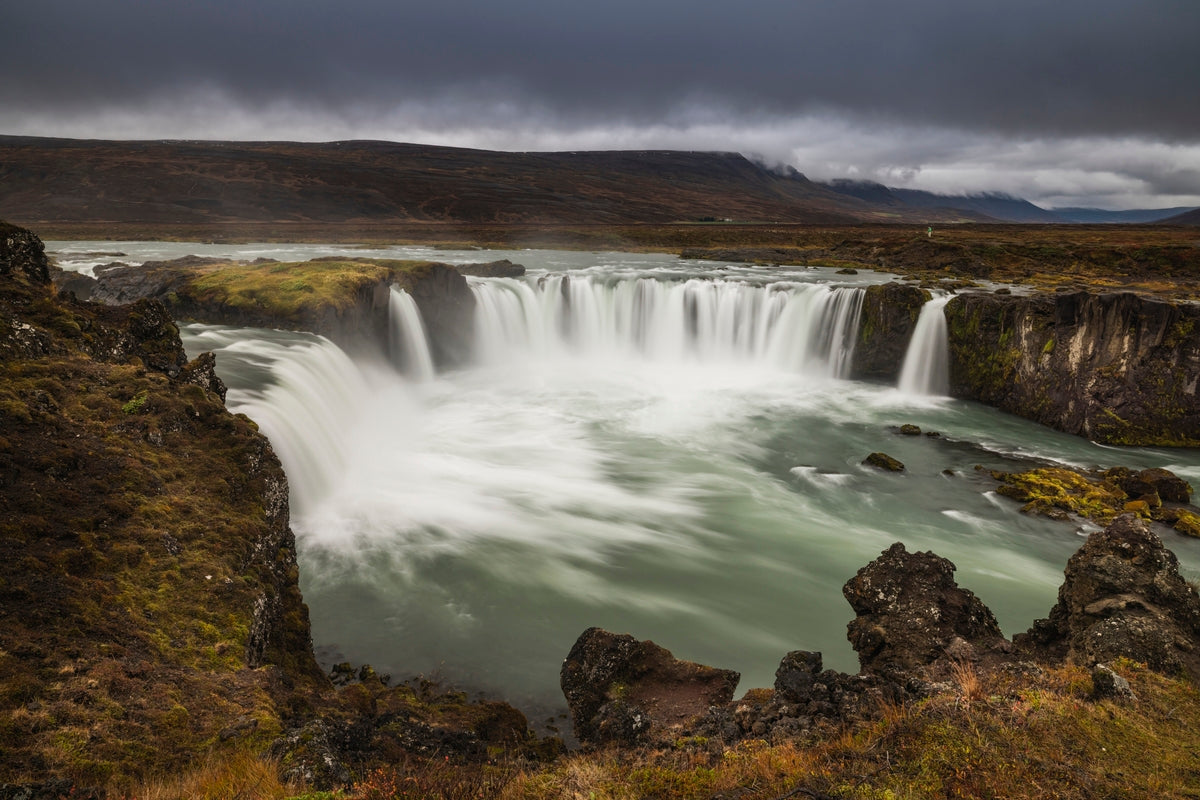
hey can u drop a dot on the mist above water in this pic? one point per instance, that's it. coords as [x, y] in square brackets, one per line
[656, 447]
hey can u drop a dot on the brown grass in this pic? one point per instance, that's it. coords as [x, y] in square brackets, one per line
[240, 777]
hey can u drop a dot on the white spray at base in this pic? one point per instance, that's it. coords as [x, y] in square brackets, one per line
[926, 367]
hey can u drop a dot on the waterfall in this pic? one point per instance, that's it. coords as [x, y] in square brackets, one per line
[408, 342]
[807, 328]
[927, 362]
[309, 407]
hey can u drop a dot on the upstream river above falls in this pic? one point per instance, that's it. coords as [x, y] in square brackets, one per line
[658, 447]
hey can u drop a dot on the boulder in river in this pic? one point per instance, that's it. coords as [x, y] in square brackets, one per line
[883, 461]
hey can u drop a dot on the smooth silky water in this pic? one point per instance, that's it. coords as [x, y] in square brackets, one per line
[651, 445]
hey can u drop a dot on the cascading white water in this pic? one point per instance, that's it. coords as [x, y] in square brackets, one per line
[645, 446]
[408, 341]
[810, 328]
[927, 361]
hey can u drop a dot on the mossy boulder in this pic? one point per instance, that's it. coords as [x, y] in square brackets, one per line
[883, 461]
[1098, 495]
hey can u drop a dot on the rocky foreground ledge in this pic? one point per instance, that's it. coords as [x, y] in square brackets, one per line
[1123, 598]
[150, 611]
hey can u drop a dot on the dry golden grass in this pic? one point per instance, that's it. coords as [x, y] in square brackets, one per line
[242, 776]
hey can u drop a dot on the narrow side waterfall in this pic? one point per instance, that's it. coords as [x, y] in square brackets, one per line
[408, 342]
[796, 327]
[927, 362]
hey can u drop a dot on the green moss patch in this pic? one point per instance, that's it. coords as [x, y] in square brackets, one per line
[294, 291]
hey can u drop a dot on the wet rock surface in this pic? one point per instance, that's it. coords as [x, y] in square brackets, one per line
[492, 269]
[888, 318]
[883, 461]
[1118, 368]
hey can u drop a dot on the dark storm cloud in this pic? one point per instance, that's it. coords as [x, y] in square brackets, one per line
[1104, 67]
[1074, 102]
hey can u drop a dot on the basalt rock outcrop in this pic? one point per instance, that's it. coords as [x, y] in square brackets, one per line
[626, 691]
[1123, 596]
[1118, 368]
[352, 309]
[22, 251]
[910, 613]
[492, 269]
[887, 320]
[915, 627]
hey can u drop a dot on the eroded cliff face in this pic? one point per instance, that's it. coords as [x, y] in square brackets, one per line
[1117, 368]
[149, 605]
[344, 299]
[888, 319]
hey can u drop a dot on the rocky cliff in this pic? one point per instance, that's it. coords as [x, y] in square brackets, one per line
[888, 319]
[149, 603]
[1118, 368]
[344, 299]
[150, 613]
[916, 633]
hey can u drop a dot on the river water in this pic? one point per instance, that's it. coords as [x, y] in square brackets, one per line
[661, 447]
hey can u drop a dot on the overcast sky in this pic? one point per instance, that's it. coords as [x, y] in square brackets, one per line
[1066, 102]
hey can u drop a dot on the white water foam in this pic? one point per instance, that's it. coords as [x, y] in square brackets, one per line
[809, 328]
[408, 340]
[926, 369]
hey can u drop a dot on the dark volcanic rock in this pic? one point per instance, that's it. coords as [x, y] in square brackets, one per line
[75, 283]
[910, 612]
[1123, 596]
[1167, 485]
[21, 251]
[883, 461]
[119, 283]
[620, 689]
[1117, 368]
[493, 269]
[202, 371]
[887, 321]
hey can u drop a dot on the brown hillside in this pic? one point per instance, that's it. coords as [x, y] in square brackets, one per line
[1186, 218]
[188, 182]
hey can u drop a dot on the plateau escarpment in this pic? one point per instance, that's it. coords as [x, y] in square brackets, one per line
[344, 299]
[1118, 368]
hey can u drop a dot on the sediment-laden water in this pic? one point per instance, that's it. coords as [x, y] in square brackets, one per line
[655, 446]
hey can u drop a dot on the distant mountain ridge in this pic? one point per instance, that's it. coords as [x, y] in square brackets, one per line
[1001, 207]
[186, 182]
[1187, 218]
[47, 181]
